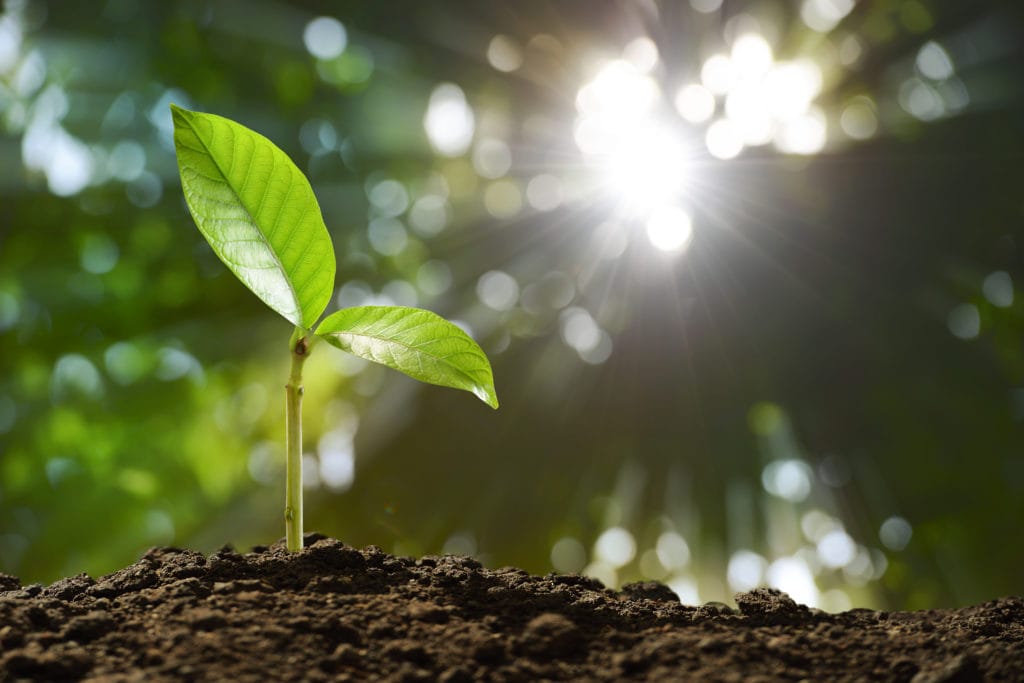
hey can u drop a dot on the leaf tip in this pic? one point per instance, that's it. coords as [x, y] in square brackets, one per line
[487, 395]
[179, 114]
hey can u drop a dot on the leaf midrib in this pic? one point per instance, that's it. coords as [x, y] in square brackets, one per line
[263, 238]
[439, 359]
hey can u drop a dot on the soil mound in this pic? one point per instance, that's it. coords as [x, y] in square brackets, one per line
[337, 613]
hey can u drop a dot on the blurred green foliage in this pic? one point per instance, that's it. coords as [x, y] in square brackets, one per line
[850, 320]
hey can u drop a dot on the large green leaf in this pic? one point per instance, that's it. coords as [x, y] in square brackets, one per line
[257, 211]
[419, 343]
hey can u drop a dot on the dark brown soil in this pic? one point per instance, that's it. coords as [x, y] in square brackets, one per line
[332, 612]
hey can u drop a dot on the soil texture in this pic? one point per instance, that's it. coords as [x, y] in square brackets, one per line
[336, 613]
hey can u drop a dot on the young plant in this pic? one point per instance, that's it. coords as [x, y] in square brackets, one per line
[258, 212]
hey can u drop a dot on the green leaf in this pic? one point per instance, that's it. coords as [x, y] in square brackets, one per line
[258, 212]
[419, 343]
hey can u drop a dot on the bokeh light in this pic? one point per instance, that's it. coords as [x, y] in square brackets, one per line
[746, 570]
[964, 321]
[998, 289]
[695, 103]
[615, 547]
[325, 37]
[825, 15]
[568, 555]
[504, 54]
[895, 533]
[449, 120]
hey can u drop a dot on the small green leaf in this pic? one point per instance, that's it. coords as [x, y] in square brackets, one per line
[258, 212]
[419, 343]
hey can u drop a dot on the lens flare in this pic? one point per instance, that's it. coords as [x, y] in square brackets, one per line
[644, 162]
[670, 228]
[647, 168]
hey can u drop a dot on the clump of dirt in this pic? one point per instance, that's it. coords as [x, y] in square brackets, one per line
[336, 613]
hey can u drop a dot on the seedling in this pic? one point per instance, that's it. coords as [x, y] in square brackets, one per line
[258, 212]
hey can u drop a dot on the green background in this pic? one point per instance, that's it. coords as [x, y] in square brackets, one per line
[835, 315]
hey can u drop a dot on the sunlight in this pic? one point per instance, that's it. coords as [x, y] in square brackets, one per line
[718, 74]
[745, 107]
[623, 122]
[669, 228]
[647, 167]
[626, 130]
[751, 55]
[695, 103]
[620, 93]
[724, 139]
[641, 53]
[792, 87]
[643, 161]
[766, 101]
[803, 135]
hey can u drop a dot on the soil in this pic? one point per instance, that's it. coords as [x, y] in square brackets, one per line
[336, 613]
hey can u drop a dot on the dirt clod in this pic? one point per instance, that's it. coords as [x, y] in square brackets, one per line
[336, 613]
[769, 604]
[89, 626]
[550, 636]
[959, 669]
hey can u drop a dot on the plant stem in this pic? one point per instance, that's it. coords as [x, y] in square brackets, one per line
[293, 445]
